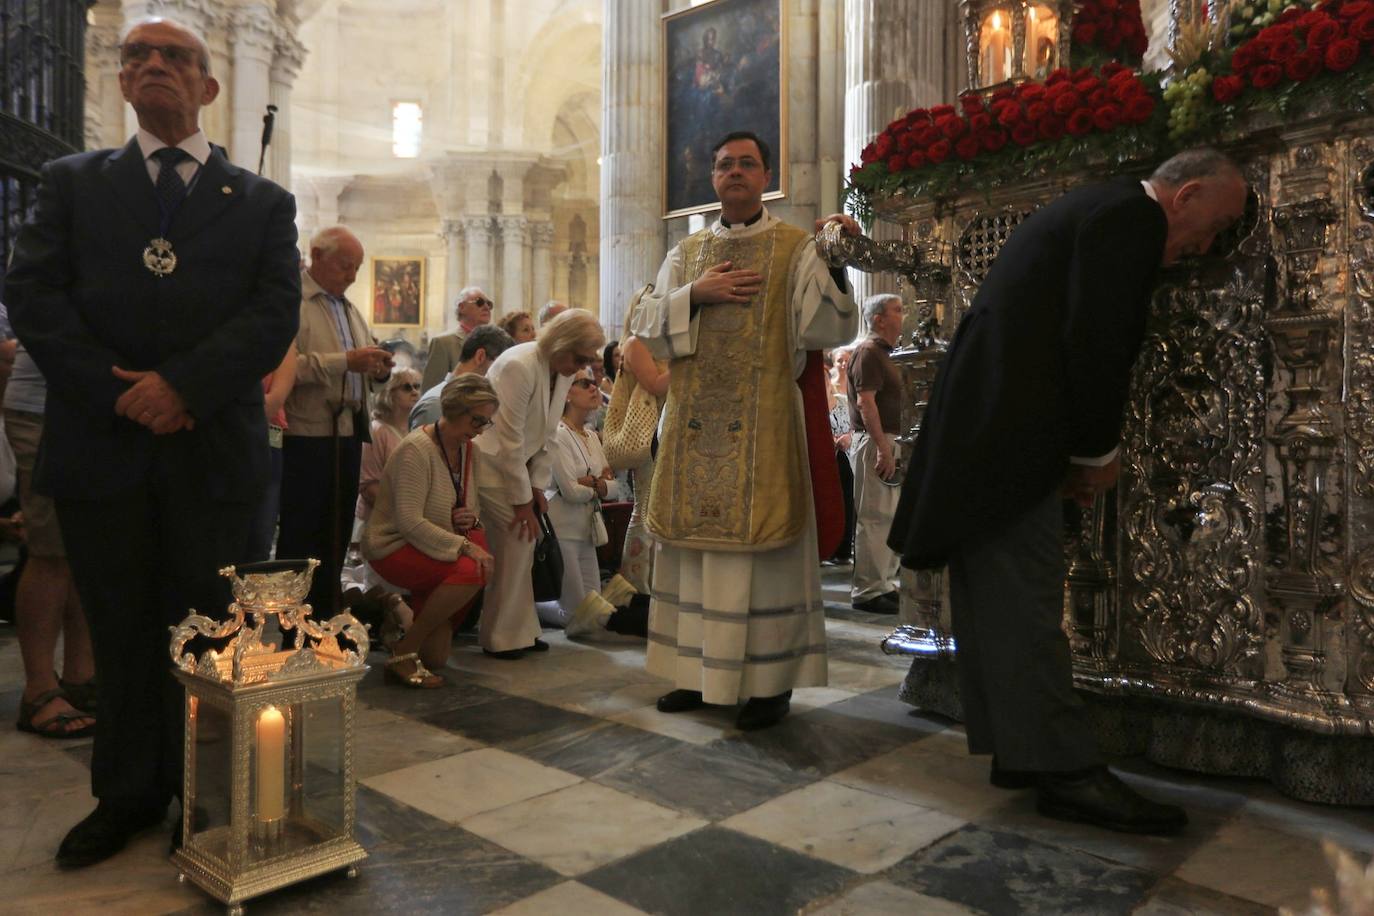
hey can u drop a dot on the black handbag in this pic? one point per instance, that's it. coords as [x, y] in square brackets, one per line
[547, 573]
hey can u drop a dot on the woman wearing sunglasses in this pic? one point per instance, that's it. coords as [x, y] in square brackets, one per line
[424, 534]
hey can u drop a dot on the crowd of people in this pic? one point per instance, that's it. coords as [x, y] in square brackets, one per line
[205, 390]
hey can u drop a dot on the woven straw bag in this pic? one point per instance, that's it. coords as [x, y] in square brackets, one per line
[627, 434]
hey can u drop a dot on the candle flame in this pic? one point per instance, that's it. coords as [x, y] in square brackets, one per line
[996, 21]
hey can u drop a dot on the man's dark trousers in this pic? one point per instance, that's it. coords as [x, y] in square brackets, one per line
[313, 513]
[1006, 595]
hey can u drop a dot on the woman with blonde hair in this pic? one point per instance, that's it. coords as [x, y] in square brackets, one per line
[532, 380]
[424, 534]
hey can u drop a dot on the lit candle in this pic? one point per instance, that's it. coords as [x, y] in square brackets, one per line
[996, 66]
[271, 763]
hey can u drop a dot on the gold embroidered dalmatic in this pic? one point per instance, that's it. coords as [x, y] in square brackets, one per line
[728, 473]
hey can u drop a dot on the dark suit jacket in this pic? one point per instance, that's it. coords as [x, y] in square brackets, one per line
[81, 301]
[1038, 370]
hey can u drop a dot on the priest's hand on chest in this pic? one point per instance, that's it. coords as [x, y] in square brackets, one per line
[723, 284]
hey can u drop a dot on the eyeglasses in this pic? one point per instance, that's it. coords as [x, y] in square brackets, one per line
[410, 386]
[584, 383]
[479, 302]
[478, 421]
[745, 164]
[138, 52]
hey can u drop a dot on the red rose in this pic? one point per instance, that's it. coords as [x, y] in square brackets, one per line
[1112, 67]
[1029, 92]
[1106, 118]
[1024, 134]
[1302, 67]
[994, 140]
[1067, 103]
[896, 163]
[1267, 74]
[1277, 30]
[926, 136]
[1081, 73]
[1036, 111]
[1087, 86]
[1323, 33]
[1055, 90]
[915, 159]
[971, 103]
[952, 126]
[916, 117]
[1309, 19]
[885, 145]
[1227, 88]
[1122, 77]
[968, 147]
[1123, 92]
[1080, 122]
[1008, 113]
[1056, 76]
[1112, 41]
[869, 154]
[853, 171]
[1003, 93]
[1354, 9]
[1282, 50]
[1243, 57]
[1051, 128]
[939, 111]
[906, 140]
[1341, 56]
[1362, 29]
[980, 122]
[1139, 109]
[938, 152]
[1100, 97]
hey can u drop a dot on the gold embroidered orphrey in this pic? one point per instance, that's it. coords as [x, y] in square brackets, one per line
[729, 474]
[159, 258]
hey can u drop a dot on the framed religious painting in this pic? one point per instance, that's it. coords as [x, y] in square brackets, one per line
[724, 69]
[398, 292]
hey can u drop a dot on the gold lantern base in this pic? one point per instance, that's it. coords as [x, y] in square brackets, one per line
[270, 874]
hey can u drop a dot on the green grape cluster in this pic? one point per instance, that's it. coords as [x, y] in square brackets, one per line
[1186, 99]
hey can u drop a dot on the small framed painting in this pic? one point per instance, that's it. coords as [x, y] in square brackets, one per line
[398, 292]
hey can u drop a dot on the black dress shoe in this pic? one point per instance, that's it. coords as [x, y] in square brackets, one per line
[1011, 779]
[507, 655]
[1099, 798]
[883, 604]
[680, 701]
[539, 646]
[104, 832]
[761, 712]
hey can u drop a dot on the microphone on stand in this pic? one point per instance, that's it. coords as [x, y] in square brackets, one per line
[268, 120]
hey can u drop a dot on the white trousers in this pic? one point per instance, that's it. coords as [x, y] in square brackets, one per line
[875, 565]
[508, 616]
[581, 574]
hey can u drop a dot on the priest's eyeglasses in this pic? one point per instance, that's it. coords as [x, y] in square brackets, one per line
[745, 163]
[138, 52]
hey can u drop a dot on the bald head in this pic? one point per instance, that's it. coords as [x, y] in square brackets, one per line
[335, 256]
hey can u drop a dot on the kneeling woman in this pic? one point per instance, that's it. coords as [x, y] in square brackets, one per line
[424, 535]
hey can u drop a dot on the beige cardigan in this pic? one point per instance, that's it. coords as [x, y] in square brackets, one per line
[321, 364]
[415, 502]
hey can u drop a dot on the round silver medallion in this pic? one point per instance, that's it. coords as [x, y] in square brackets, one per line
[159, 258]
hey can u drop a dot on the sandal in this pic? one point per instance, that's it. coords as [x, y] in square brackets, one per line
[54, 726]
[419, 678]
[83, 696]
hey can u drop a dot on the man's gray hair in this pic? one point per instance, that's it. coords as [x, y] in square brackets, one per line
[547, 310]
[468, 291]
[874, 305]
[1194, 165]
[487, 337]
[194, 33]
[327, 240]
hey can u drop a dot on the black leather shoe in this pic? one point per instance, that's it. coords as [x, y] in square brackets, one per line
[883, 604]
[1011, 779]
[761, 712]
[539, 646]
[104, 832]
[507, 655]
[1099, 798]
[680, 701]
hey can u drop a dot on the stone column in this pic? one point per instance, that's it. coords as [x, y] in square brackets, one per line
[513, 237]
[327, 194]
[632, 106]
[286, 66]
[253, 46]
[477, 232]
[541, 266]
[894, 60]
[453, 268]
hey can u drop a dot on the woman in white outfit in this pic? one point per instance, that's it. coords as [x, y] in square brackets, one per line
[582, 478]
[532, 382]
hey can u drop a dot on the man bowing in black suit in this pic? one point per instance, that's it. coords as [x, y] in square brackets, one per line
[1028, 404]
[154, 285]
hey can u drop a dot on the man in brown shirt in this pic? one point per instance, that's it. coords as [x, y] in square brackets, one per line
[875, 413]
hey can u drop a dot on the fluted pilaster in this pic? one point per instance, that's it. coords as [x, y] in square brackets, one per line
[477, 233]
[253, 44]
[541, 263]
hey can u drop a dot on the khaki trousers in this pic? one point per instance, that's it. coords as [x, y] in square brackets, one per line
[875, 565]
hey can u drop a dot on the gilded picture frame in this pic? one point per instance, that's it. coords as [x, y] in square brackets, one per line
[398, 292]
[724, 69]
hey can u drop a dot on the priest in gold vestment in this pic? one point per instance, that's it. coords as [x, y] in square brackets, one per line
[736, 611]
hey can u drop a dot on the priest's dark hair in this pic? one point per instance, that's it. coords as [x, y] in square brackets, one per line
[764, 153]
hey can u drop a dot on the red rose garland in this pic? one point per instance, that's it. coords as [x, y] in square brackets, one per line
[1113, 26]
[1077, 103]
[1300, 45]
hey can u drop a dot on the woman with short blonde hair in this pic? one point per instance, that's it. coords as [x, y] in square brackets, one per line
[576, 331]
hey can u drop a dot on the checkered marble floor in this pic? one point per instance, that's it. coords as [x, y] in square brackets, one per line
[552, 785]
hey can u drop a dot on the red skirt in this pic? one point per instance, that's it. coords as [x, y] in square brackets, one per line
[421, 574]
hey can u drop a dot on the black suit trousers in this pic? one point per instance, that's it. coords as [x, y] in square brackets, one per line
[1006, 596]
[312, 505]
[141, 561]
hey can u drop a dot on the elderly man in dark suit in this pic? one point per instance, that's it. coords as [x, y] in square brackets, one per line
[1028, 404]
[154, 285]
